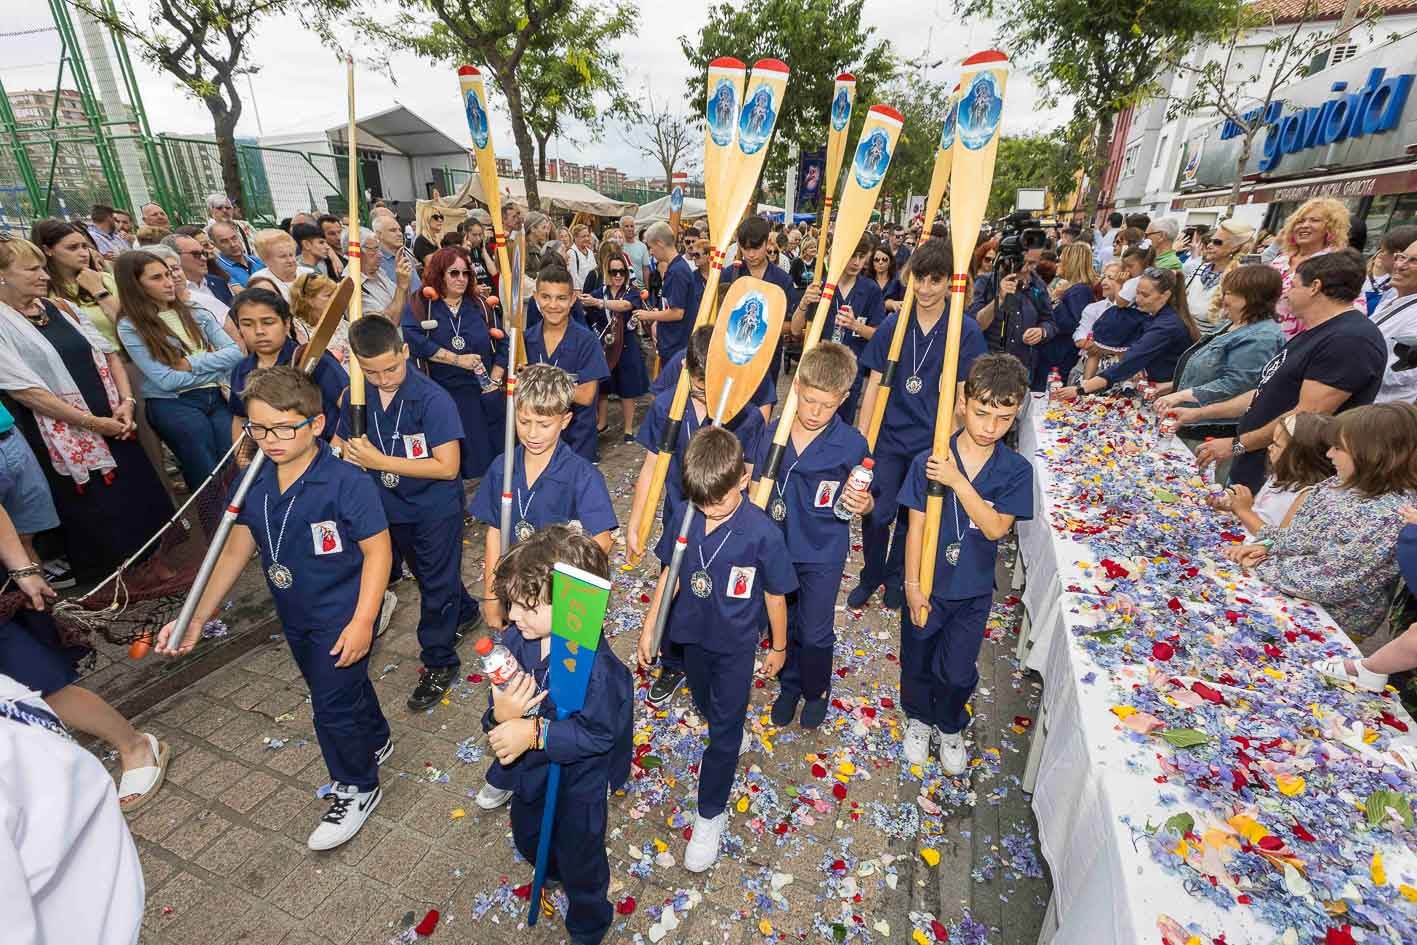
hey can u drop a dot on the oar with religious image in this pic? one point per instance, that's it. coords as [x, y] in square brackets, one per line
[309, 357]
[739, 357]
[838, 127]
[578, 602]
[473, 90]
[357, 419]
[979, 112]
[939, 178]
[735, 146]
[863, 186]
[676, 209]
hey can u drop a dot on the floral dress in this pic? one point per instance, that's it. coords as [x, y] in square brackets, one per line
[1339, 551]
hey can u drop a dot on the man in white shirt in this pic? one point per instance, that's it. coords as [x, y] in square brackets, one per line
[1102, 249]
[1396, 316]
[637, 252]
[194, 268]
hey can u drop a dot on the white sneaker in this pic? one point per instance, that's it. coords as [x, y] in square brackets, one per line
[386, 613]
[349, 808]
[703, 844]
[491, 798]
[917, 742]
[382, 755]
[954, 756]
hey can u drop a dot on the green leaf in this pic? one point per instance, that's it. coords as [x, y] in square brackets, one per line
[1380, 801]
[650, 762]
[1108, 635]
[1161, 495]
[1184, 737]
[1182, 823]
[838, 932]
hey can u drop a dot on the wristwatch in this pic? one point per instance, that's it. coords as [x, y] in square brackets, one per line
[1237, 448]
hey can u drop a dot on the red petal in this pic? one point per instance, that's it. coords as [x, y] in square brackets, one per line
[429, 923]
[625, 906]
[1339, 936]
[941, 933]
[1270, 843]
[839, 791]
[1163, 651]
[1175, 605]
[818, 771]
[523, 891]
[887, 702]
[1301, 834]
[838, 866]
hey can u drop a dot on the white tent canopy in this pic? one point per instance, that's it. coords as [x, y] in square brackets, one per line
[555, 196]
[694, 209]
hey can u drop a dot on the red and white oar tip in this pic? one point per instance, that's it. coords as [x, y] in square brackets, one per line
[429, 293]
[770, 65]
[846, 77]
[468, 70]
[987, 58]
[885, 111]
[727, 62]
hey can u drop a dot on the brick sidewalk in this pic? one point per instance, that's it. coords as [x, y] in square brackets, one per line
[224, 853]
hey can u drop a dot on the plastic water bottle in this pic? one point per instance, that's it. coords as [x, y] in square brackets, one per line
[498, 663]
[859, 480]
[1055, 381]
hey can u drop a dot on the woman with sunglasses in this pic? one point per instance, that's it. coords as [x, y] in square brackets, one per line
[883, 272]
[609, 310]
[1220, 253]
[430, 238]
[449, 333]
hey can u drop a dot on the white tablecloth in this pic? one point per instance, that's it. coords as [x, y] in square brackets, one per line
[1108, 890]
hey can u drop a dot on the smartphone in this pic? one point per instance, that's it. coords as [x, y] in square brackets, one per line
[1251, 259]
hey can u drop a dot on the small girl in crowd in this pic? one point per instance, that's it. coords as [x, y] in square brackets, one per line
[1298, 461]
[1115, 329]
[1339, 548]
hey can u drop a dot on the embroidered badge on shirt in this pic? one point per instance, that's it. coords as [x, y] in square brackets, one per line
[415, 445]
[740, 582]
[326, 538]
[826, 493]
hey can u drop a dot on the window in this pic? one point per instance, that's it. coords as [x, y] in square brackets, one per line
[1160, 151]
[1129, 159]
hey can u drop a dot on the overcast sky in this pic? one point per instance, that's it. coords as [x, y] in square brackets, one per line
[300, 83]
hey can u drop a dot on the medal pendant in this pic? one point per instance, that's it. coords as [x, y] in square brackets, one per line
[458, 342]
[280, 576]
[701, 584]
[952, 553]
[523, 530]
[389, 479]
[777, 509]
[913, 384]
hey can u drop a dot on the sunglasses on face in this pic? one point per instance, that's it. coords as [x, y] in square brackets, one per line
[694, 255]
[437, 216]
[1217, 242]
[456, 273]
[196, 253]
[617, 272]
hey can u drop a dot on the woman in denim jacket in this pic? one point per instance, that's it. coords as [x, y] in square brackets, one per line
[185, 356]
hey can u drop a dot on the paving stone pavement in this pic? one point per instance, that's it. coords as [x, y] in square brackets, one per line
[225, 862]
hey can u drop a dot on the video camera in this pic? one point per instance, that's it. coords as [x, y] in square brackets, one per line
[1404, 351]
[1012, 242]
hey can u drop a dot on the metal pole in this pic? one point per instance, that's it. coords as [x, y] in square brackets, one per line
[22, 156]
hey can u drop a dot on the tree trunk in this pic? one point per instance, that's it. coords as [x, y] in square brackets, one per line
[522, 134]
[1103, 145]
[541, 143]
[224, 124]
[1247, 144]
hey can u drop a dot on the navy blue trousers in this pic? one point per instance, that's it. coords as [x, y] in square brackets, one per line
[938, 662]
[811, 633]
[721, 684]
[578, 845]
[881, 566]
[349, 724]
[433, 550]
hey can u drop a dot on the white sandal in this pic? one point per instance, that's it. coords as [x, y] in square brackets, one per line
[139, 785]
[1349, 671]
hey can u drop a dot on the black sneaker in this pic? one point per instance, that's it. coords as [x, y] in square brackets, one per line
[784, 708]
[468, 626]
[431, 686]
[58, 574]
[662, 690]
[814, 712]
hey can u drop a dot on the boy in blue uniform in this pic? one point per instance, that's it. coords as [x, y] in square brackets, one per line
[263, 318]
[735, 578]
[592, 746]
[752, 237]
[573, 348]
[747, 426]
[822, 449]
[326, 568]
[857, 309]
[909, 422]
[673, 320]
[413, 453]
[987, 487]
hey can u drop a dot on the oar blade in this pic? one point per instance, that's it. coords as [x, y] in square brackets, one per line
[744, 340]
[979, 115]
[726, 78]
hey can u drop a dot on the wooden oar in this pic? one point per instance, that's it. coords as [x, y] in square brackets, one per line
[979, 112]
[676, 209]
[738, 359]
[939, 178]
[356, 254]
[838, 126]
[735, 146]
[474, 98]
[863, 185]
[314, 348]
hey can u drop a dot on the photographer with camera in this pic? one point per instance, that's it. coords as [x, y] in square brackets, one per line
[1011, 304]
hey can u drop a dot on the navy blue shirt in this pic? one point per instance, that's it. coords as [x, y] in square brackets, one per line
[1156, 352]
[764, 396]
[420, 417]
[809, 485]
[908, 427]
[747, 426]
[745, 558]
[579, 353]
[328, 374]
[867, 303]
[314, 528]
[1119, 326]
[592, 745]
[468, 323]
[678, 292]
[894, 290]
[1006, 483]
[777, 277]
[569, 489]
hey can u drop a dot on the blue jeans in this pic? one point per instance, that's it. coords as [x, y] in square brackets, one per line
[196, 426]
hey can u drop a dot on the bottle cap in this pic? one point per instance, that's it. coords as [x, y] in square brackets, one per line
[869, 463]
[483, 646]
